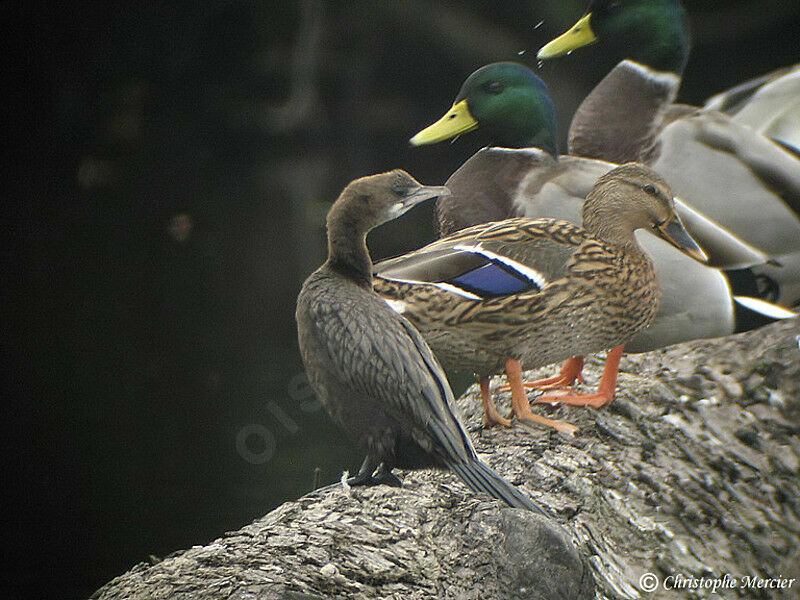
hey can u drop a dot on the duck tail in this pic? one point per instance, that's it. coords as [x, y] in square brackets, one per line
[478, 477]
[750, 313]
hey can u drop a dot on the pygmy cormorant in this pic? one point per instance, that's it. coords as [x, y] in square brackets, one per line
[370, 368]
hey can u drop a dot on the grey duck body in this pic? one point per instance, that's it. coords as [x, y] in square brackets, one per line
[734, 175]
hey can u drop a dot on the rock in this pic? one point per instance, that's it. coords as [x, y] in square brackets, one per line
[699, 480]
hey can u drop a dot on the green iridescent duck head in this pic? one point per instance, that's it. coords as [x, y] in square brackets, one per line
[654, 33]
[505, 99]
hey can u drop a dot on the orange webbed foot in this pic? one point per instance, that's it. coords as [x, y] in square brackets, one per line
[598, 400]
[571, 371]
[605, 391]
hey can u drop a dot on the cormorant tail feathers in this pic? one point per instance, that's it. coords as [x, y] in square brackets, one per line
[478, 477]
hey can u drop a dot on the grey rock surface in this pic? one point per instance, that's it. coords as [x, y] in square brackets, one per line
[693, 470]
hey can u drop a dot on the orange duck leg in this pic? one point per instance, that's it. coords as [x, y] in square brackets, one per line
[490, 415]
[605, 391]
[521, 405]
[571, 371]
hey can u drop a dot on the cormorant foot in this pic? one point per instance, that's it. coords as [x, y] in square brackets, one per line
[363, 478]
[384, 476]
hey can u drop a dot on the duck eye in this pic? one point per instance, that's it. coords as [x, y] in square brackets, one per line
[399, 192]
[650, 189]
[607, 9]
[493, 87]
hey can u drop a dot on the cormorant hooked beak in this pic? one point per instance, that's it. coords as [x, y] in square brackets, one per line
[416, 196]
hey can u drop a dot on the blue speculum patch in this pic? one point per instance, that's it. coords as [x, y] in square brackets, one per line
[492, 280]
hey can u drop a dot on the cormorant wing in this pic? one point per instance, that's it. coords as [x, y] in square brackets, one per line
[380, 355]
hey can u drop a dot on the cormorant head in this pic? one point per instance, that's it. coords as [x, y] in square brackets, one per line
[370, 201]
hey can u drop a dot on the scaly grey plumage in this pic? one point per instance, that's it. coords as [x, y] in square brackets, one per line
[370, 368]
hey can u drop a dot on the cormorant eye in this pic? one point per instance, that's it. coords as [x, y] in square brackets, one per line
[650, 189]
[400, 192]
[494, 87]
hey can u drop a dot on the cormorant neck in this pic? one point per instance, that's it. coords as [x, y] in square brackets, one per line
[347, 251]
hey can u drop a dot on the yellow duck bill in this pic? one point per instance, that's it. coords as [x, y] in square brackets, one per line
[457, 120]
[577, 36]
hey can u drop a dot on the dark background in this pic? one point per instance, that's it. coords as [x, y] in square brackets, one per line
[167, 175]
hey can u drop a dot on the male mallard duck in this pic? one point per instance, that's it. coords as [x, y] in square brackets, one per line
[656, 34]
[732, 174]
[369, 367]
[769, 104]
[530, 292]
[526, 177]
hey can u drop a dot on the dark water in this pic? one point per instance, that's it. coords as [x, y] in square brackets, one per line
[164, 201]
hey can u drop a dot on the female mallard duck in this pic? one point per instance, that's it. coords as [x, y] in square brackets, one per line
[530, 292]
[369, 367]
[734, 175]
[526, 177]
